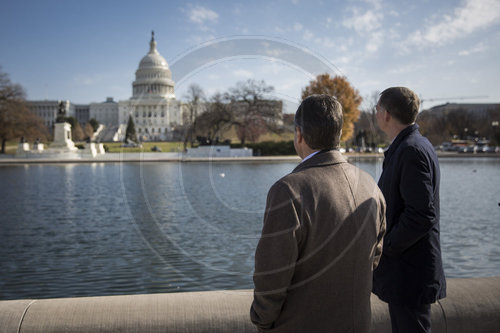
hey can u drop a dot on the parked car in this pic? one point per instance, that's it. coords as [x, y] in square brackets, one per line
[468, 149]
[489, 149]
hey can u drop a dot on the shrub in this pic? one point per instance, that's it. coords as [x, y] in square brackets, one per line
[270, 148]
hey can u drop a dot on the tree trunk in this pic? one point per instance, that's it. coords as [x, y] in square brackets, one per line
[3, 146]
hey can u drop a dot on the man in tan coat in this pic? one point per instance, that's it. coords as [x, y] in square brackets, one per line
[322, 235]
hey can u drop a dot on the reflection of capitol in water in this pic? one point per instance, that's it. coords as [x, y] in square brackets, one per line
[153, 106]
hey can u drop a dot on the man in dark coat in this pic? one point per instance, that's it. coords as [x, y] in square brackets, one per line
[322, 235]
[410, 275]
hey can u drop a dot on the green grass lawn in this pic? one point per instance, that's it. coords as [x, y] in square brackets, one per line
[114, 147]
[166, 147]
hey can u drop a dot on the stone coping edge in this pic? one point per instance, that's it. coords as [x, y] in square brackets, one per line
[472, 305]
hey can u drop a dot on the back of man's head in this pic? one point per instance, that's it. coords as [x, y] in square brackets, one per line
[401, 103]
[319, 118]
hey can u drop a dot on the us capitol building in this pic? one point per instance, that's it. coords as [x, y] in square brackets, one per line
[153, 106]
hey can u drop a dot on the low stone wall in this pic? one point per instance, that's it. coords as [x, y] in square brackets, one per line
[472, 305]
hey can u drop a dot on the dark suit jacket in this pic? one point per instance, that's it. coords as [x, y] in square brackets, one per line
[410, 270]
[321, 238]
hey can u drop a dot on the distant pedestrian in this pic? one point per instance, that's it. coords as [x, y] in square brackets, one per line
[410, 275]
[322, 235]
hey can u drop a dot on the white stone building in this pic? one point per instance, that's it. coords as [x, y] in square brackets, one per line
[105, 113]
[47, 110]
[153, 106]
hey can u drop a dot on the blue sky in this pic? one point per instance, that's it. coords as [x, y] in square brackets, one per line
[88, 50]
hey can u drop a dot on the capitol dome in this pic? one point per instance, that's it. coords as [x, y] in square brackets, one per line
[153, 78]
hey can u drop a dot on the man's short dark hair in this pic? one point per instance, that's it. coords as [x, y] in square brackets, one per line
[319, 118]
[402, 103]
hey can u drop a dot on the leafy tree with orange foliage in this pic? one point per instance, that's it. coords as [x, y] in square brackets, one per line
[348, 97]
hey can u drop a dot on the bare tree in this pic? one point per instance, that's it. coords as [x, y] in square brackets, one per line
[253, 113]
[195, 100]
[16, 120]
[88, 131]
[447, 122]
[433, 127]
[218, 118]
[366, 125]
[76, 129]
[77, 132]
[459, 123]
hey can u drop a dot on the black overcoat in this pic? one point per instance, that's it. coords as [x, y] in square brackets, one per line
[410, 271]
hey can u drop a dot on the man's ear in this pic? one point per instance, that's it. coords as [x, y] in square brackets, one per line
[387, 116]
[299, 135]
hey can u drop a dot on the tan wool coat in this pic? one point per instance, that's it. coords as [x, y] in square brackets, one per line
[321, 239]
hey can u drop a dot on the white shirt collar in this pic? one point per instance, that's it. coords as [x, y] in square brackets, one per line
[310, 155]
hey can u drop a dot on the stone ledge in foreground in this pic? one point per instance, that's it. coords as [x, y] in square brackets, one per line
[472, 306]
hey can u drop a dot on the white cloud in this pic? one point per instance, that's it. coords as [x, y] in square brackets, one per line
[272, 50]
[375, 41]
[479, 48]
[201, 15]
[308, 35]
[473, 15]
[367, 24]
[363, 22]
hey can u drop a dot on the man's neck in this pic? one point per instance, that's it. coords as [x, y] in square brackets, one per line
[313, 152]
[395, 129]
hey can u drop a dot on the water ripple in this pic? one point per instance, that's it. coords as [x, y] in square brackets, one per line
[106, 229]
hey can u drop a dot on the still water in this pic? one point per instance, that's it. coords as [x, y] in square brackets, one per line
[102, 229]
